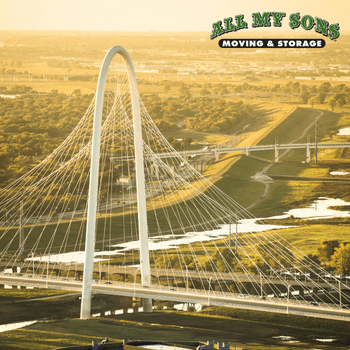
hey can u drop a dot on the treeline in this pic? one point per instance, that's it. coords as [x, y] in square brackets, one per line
[17, 90]
[335, 256]
[220, 116]
[33, 125]
[201, 113]
[288, 88]
[334, 95]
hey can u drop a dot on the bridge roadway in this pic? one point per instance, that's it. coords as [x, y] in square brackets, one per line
[258, 148]
[186, 296]
[176, 274]
[215, 151]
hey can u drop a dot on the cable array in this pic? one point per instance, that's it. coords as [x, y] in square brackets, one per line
[199, 237]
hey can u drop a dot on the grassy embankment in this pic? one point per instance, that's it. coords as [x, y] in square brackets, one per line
[252, 135]
[284, 195]
[23, 294]
[244, 329]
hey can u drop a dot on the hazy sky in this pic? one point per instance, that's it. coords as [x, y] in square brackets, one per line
[160, 15]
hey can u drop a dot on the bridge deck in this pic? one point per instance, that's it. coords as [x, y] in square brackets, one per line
[278, 305]
[172, 274]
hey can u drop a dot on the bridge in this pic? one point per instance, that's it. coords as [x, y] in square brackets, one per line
[287, 305]
[61, 225]
[214, 152]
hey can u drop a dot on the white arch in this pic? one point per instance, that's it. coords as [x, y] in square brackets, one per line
[93, 184]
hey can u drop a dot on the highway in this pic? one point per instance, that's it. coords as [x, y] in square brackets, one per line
[172, 274]
[242, 149]
[287, 306]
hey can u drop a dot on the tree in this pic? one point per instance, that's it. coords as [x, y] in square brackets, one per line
[321, 97]
[340, 100]
[325, 87]
[332, 103]
[304, 96]
[312, 101]
[186, 142]
[166, 88]
[326, 250]
[224, 259]
[204, 91]
[166, 126]
[184, 91]
[224, 91]
[309, 260]
[341, 259]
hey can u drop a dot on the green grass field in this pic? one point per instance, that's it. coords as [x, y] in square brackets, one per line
[308, 237]
[237, 184]
[243, 329]
[285, 195]
[23, 294]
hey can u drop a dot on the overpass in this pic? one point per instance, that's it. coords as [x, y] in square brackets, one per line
[287, 305]
[214, 152]
[172, 276]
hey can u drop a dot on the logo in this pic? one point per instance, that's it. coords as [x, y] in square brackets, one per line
[275, 19]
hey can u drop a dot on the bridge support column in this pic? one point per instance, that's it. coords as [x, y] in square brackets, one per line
[147, 305]
[276, 154]
[307, 153]
[216, 156]
[247, 151]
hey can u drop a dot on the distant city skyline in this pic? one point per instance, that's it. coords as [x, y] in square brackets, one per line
[157, 15]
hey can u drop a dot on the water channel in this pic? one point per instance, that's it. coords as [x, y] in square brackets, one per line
[319, 209]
